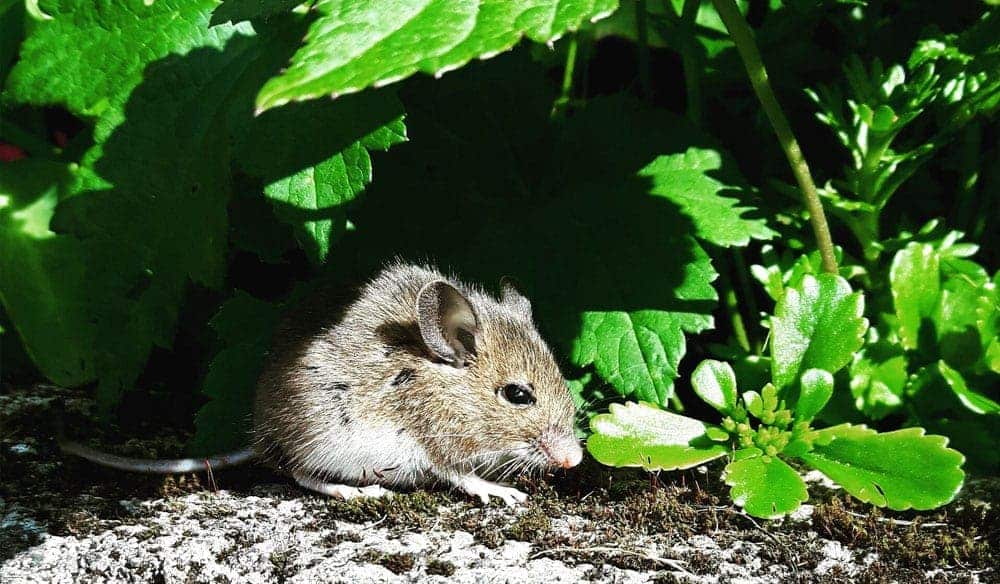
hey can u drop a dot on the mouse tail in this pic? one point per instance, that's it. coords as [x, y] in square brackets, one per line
[157, 466]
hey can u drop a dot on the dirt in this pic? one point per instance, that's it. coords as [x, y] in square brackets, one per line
[66, 520]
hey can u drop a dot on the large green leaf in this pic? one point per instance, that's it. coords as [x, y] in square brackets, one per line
[640, 434]
[817, 325]
[690, 181]
[92, 53]
[900, 470]
[354, 45]
[42, 281]
[915, 278]
[314, 197]
[243, 326]
[765, 486]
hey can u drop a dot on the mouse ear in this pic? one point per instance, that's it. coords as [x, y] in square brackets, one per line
[448, 322]
[511, 295]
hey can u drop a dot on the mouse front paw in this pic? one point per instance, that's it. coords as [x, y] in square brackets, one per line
[484, 489]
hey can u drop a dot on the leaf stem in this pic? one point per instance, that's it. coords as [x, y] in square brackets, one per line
[690, 60]
[742, 36]
[566, 93]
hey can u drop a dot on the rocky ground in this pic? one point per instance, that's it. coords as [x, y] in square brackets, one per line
[64, 520]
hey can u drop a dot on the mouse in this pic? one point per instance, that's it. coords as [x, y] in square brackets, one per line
[419, 379]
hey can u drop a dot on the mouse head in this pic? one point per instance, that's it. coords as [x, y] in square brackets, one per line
[516, 408]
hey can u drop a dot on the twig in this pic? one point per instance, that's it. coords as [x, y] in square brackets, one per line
[902, 522]
[675, 564]
[742, 36]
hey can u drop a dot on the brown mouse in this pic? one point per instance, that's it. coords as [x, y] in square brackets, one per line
[421, 379]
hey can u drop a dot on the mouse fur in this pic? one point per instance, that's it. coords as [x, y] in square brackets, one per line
[405, 386]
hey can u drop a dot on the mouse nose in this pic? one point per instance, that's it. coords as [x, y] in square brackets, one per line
[566, 452]
[572, 458]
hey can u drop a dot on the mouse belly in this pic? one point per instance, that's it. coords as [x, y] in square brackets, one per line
[365, 455]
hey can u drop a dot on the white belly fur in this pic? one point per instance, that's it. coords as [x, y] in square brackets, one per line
[366, 454]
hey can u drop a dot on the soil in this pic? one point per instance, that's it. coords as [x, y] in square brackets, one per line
[67, 520]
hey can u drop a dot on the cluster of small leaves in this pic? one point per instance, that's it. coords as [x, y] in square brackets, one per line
[932, 354]
[816, 328]
[952, 78]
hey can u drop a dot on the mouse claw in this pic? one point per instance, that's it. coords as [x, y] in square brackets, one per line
[484, 489]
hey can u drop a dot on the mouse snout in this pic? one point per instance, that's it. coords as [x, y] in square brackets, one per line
[562, 449]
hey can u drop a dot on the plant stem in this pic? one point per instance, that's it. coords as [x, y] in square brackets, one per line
[742, 36]
[642, 31]
[690, 60]
[733, 307]
[566, 94]
[747, 292]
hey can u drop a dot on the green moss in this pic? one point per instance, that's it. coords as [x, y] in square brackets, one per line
[395, 563]
[437, 567]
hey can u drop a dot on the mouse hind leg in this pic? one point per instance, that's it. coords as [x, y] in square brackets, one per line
[345, 492]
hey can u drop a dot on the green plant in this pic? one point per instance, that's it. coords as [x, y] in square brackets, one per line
[815, 331]
[164, 162]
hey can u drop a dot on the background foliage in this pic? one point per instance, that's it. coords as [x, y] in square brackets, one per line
[187, 168]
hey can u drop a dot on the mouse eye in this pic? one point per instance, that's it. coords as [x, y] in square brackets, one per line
[517, 394]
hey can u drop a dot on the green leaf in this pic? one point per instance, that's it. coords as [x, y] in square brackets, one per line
[689, 180]
[352, 46]
[239, 10]
[817, 325]
[765, 486]
[754, 403]
[815, 389]
[878, 378]
[973, 400]
[640, 434]
[243, 326]
[42, 274]
[901, 470]
[915, 279]
[715, 383]
[312, 194]
[92, 54]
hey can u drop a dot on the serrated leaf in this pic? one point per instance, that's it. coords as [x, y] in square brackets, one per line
[689, 180]
[235, 11]
[42, 274]
[352, 46]
[715, 383]
[915, 280]
[817, 325]
[815, 389]
[973, 400]
[640, 434]
[901, 470]
[765, 486]
[243, 327]
[323, 191]
[86, 59]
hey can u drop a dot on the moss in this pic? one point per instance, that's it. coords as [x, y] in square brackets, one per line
[417, 509]
[531, 525]
[436, 567]
[395, 563]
